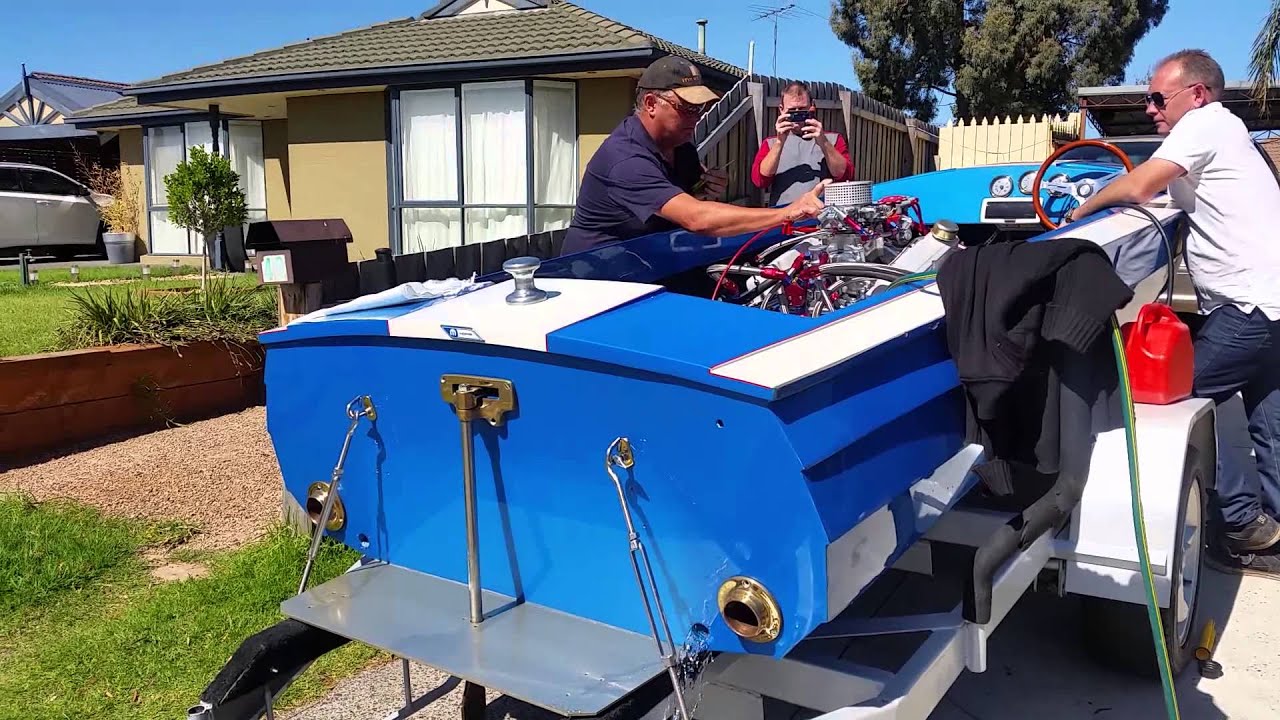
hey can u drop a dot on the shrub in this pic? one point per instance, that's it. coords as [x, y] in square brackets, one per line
[121, 214]
[127, 315]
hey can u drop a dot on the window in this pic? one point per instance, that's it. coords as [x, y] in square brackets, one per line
[40, 182]
[167, 146]
[484, 161]
[246, 154]
[9, 181]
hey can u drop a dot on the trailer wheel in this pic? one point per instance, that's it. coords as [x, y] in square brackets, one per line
[1118, 634]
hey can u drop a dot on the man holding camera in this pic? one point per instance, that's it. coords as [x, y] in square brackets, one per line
[802, 154]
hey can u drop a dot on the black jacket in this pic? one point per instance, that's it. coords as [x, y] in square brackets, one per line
[1028, 325]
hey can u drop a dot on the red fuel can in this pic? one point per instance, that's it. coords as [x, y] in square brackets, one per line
[1159, 351]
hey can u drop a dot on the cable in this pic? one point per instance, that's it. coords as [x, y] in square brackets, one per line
[1139, 523]
[1168, 246]
[930, 275]
[733, 260]
[1135, 485]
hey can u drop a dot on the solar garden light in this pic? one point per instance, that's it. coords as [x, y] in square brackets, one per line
[35, 276]
[146, 272]
[75, 272]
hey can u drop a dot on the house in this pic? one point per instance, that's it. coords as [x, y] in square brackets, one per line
[33, 127]
[470, 122]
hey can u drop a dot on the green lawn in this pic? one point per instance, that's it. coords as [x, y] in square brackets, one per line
[29, 315]
[86, 633]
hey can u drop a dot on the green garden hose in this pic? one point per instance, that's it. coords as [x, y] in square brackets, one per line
[1139, 523]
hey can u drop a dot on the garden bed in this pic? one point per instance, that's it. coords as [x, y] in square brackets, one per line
[54, 400]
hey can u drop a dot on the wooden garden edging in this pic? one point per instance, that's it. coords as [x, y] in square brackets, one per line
[53, 400]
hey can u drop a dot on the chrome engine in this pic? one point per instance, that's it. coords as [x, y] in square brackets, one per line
[858, 248]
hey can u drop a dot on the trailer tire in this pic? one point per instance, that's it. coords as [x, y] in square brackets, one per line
[1117, 634]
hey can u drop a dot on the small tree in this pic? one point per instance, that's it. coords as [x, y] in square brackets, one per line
[205, 197]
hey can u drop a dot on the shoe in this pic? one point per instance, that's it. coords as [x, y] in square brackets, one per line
[1229, 561]
[1260, 534]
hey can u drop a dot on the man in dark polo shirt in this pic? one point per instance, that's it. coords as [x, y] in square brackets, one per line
[644, 178]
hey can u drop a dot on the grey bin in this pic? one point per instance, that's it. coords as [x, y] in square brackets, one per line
[119, 247]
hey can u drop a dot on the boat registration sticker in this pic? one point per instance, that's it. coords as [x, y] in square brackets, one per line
[456, 332]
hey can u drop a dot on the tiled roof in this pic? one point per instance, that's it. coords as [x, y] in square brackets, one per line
[124, 106]
[561, 28]
[64, 93]
[77, 81]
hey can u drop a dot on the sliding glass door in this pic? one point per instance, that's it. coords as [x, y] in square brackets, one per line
[170, 145]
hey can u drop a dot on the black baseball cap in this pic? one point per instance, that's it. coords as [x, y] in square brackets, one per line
[680, 76]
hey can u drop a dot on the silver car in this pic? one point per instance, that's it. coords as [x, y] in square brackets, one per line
[47, 213]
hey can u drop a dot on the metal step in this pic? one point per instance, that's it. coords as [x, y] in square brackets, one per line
[544, 657]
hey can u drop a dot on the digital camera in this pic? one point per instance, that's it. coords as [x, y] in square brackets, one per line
[799, 117]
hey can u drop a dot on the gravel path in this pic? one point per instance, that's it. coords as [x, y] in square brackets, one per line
[379, 691]
[219, 474]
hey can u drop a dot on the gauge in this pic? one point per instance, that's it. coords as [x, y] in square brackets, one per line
[1025, 182]
[1002, 186]
[1084, 188]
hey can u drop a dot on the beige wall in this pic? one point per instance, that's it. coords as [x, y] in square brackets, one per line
[602, 104]
[337, 165]
[275, 154]
[132, 170]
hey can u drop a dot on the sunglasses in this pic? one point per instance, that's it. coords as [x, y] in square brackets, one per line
[683, 107]
[1158, 99]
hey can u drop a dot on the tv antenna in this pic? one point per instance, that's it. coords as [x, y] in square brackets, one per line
[775, 12]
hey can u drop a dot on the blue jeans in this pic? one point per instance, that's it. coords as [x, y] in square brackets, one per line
[1239, 353]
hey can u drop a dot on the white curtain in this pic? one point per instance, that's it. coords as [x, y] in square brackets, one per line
[427, 229]
[165, 150]
[493, 142]
[247, 160]
[485, 224]
[167, 238]
[429, 144]
[555, 135]
[545, 219]
[199, 133]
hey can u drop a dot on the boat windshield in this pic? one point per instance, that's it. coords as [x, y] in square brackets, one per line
[1137, 150]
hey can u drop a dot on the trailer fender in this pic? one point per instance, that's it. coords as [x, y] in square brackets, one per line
[1100, 553]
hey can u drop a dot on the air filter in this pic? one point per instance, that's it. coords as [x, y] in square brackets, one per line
[855, 193]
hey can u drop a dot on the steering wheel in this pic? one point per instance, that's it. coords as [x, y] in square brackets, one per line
[1044, 167]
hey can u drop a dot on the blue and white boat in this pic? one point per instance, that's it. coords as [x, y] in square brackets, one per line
[567, 475]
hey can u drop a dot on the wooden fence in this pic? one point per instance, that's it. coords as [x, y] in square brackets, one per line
[985, 141]
[386, 270]
[884, 143]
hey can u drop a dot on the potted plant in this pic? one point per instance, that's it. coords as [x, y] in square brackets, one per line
[117, 196]
[205, 197]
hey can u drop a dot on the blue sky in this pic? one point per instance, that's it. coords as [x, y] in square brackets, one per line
[139, 39]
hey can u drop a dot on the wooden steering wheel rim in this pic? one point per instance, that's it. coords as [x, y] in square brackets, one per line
[1044, 166]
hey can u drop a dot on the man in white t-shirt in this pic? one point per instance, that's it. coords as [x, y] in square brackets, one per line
[1216, 175]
